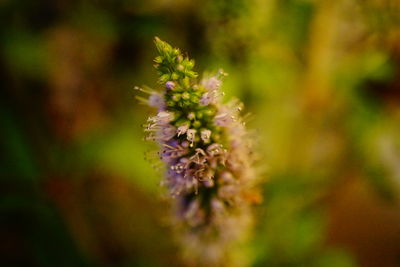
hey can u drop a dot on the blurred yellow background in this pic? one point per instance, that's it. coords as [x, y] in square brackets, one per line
[320, 78]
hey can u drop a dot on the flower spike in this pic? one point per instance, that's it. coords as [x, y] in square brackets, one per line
[208, 158]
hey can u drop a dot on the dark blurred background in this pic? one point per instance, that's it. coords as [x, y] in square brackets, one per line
[320, 78]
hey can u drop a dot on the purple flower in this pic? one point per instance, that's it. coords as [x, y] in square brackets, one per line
[166, 133]
[211, 84]
[170, 85]
[205, 135]
[156, 100]
[183, 129]
[191, 135]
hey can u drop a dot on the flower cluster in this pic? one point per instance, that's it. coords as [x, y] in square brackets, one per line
[208, 158]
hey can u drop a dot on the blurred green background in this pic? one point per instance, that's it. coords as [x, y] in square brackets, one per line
[320, 78]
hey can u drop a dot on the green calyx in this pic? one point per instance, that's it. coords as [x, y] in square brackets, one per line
[182, 94]
[171, 65]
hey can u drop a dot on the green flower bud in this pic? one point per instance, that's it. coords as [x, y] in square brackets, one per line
[176, 97]
[196, 124]
[180, 67]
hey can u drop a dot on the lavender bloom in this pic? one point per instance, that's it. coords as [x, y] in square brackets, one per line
[190, 135]
[156, 100]
[182, 129]
[170, 85]
[212, 94]
[212, 83]
[205, 135]
[207, 153]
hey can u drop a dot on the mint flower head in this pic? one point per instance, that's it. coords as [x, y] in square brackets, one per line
[209, 163]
